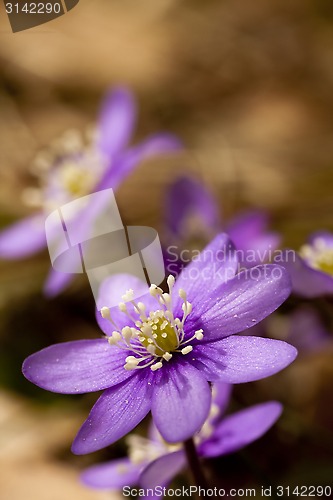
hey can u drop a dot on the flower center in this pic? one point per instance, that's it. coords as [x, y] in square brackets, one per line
[68, 169]
[76, 180]
[161, 331]
[157, 335]
[318, 255]
[142, 450]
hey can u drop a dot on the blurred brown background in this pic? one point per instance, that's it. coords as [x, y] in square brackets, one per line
[248, 88]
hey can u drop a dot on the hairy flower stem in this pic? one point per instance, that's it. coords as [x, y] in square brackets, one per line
[194, 464]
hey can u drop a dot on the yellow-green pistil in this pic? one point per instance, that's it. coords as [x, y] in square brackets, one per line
[318, 255]
[162, 332]
[156, 334]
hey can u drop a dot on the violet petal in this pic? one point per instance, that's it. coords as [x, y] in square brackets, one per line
[77, 367]
[237, 359]
[216, 264]
[115, 413]
[241, 302]
[56, 282]
[163, 469]
[111, 475]
[306, 330]
[181, 401]
[23, 238]
[249, 231]
[240, 429]
[126, 162]
[116, 121]
[188, 197]
[326, 236]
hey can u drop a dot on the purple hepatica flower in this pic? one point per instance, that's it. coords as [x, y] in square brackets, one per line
[76, 170]
[249, 233]
[311, 269]
[160, 352]
[193, 218]
[303, 328]
[153, 462]
[306, 331]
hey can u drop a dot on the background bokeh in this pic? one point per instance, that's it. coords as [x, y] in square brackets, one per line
[248, 88]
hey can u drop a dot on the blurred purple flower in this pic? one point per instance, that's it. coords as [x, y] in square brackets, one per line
[306, 331]
[152, 462]
[311, 269]
[303, 328]
[77, 170]
[192, 217]
[160, 352]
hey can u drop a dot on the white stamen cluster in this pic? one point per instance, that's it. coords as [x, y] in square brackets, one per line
[157, 334]
[69, 167]
[318, 255]
[142, 450]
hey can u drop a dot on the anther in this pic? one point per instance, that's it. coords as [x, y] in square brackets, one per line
[105, 312]
[135, 333]
[127, 333]
[166, 298]
[122, 307]
[132, 359]
[156, 366]
[129, 295]
[155, 290]
[115, 338]
[170, 281]
[167, 356]
[131, 363]
[187, 349]
[187, 307]
[141, 310]
[198, 334]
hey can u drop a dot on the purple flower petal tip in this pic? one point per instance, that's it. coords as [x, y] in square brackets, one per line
[111, 475]
[188, 198]
[162, 470]
[243, 301]
[23, 239]
[240, 429]
[116, 121]
[238, 359]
